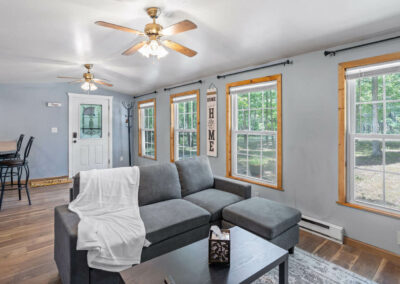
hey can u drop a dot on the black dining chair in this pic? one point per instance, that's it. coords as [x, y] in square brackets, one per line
[14, 155]
[19, 165]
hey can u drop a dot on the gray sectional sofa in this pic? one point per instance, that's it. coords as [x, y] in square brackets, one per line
[178, 203]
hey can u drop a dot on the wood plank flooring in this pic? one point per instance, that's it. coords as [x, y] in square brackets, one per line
[26, 242]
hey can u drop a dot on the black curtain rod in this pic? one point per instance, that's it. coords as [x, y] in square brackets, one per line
[256, 68]
[155, 92]
[333, 52]
[183, 85]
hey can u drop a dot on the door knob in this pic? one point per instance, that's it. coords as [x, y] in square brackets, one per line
[74, 141]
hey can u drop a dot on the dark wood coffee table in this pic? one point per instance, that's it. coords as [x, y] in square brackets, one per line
[251, 257]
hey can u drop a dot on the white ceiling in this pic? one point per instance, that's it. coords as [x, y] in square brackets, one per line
[43, 39]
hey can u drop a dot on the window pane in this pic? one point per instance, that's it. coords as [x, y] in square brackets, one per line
[255, 166]
[241, 143]
[369, 118]
[181, 121]
[90, 121]
[181, 107]
[150, 126]
[368, 154]
[256, 100]
[369, 89]
[180, 155]
[269, 158]
[392, 192]
[392, 83]
[368, 186]
[256, 121]
[186, 139]
[270, 121]
[393, 118]
[180, 139]
[194, 106]
[188, 121]
[254, 145]
[188, 106]
[241, 166]
[392, 156]
[243, 101]
[243, 120]
[269, 99]
[194, 120]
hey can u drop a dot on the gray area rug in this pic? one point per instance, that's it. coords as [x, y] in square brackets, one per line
[308, 268]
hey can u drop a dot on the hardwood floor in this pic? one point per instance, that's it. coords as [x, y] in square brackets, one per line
[26, 242]
[369, 265]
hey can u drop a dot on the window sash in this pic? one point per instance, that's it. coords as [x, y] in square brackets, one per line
[146, 145]
[236, 132]
[352, 137]
[177, 130]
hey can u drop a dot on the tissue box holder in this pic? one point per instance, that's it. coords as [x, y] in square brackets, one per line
[219, 251]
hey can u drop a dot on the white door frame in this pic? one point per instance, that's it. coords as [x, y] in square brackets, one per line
[110, 146]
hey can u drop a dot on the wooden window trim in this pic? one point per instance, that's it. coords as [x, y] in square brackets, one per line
[172, 123]
[342, 129]
[278, 79]
[140, 154]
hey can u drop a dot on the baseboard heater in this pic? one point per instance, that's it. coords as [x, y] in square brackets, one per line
[330, 231]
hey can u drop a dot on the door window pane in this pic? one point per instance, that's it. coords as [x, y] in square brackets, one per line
[90, 121]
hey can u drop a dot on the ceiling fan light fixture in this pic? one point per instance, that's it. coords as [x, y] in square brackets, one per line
[153, 48]
[89, 86]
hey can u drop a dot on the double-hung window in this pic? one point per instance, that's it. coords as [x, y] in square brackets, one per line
[254, 131]
[147, 129]
[185, 136]
[373, 135]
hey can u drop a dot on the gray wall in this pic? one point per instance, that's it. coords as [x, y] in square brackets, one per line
[23, 110]
[309, 137]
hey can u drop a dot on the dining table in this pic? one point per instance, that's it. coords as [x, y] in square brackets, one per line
[8, 146]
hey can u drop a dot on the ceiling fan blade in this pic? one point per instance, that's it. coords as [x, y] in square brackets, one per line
[134, 48]
[76, 81]
[73, 78]
[178, 28]
[102, 83]
[179, 48]
[117, 27]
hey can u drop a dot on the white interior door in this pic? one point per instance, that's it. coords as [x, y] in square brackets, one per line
[90, 133]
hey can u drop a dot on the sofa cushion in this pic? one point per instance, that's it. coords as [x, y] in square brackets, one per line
[195, 174]
[158, 183]
[262, 216]
[166, 219]
[213, 200]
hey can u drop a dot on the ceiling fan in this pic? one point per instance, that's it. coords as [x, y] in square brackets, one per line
[88, 80]
[153, 46]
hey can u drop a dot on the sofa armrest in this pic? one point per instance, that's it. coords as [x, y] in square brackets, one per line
[237, 187]
[71, 263]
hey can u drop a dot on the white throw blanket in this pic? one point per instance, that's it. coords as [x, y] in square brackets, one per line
[110, 227]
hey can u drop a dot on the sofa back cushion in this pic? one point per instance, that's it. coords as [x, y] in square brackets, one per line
[195, 174]
[158, 183]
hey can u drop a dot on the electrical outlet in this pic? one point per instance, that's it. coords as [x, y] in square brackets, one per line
[121, 158]
[54, 130]
[398, 237]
